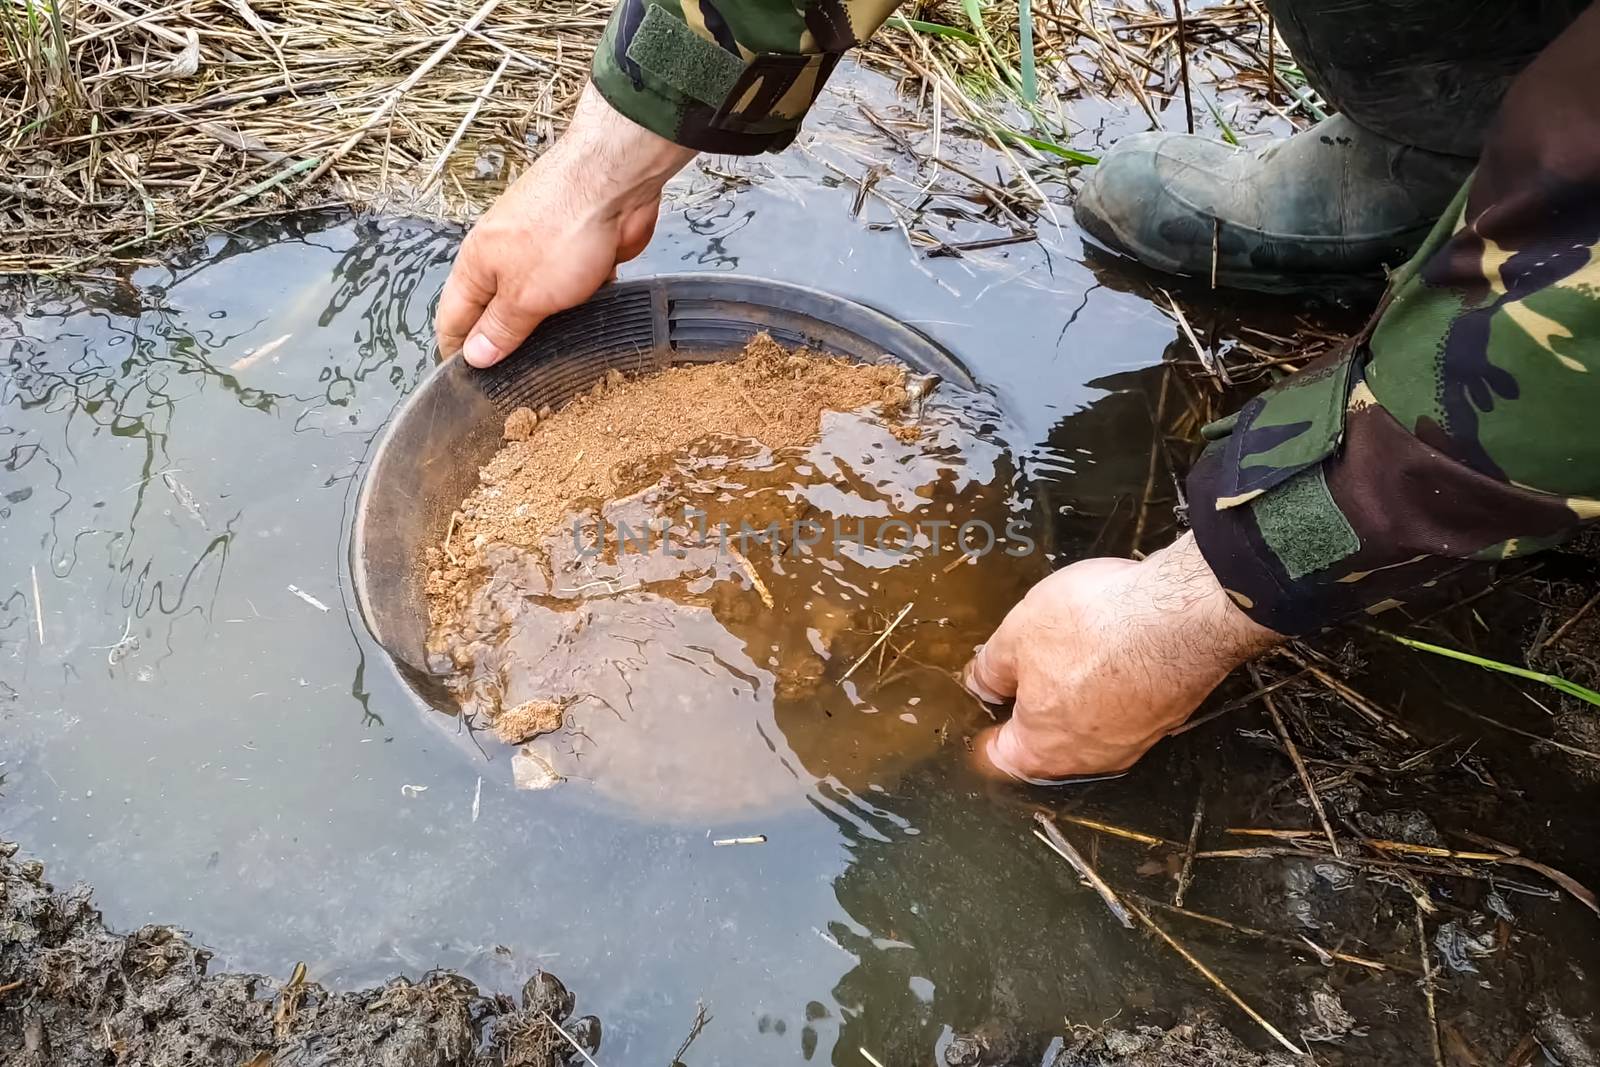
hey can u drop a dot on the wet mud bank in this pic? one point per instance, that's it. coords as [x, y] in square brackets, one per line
[74, 993]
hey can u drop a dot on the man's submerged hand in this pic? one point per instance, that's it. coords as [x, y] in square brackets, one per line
[1105, 657]
[557, 234]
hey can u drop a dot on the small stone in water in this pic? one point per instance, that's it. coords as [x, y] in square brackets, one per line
[586, 1032]
[528, 720]
[964, 1050]
[529, 770]
[544, 992]
[490, 163]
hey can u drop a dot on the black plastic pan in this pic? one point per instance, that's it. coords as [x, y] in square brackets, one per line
[429, 455]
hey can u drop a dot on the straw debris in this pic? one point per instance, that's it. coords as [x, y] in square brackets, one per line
[125, 123]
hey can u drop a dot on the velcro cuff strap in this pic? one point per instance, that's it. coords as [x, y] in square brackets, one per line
[1303, 526]
[668, 49]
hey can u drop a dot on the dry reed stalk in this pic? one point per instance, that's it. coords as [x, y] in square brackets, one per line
[125, 120]
[1306, 781]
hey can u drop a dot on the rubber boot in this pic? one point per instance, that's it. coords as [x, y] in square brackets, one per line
[1330, 201]
[1416, 83]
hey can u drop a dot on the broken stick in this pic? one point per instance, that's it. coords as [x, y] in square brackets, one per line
[874, 646]
[1222, 987]
[1126, 912]
[1051, 835]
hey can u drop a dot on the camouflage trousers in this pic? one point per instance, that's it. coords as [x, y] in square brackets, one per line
[1464, 423]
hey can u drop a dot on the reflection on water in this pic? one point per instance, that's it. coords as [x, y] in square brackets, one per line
[211, 746]
[194, 720]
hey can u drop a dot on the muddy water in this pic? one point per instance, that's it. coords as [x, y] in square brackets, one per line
[194, 720]
[727, 638]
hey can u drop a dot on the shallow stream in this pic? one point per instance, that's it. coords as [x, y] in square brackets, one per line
[195, 721]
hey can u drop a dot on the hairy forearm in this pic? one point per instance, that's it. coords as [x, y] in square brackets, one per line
[623, 164]
[1178, 585]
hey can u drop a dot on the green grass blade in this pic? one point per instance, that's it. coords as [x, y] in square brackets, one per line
[1071, 155]
[938, 29]
[1227, 131]
[1003, 71]
[1303, 97]
[1552, 680]
[30, 127]
[973, 9]
[1030, 74]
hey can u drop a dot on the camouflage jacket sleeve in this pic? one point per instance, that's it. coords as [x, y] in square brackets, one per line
[731, 76]
[1465, 423]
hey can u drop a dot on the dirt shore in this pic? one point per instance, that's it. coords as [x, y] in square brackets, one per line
[74, 994]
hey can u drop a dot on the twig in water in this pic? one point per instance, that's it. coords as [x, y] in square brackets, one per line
[870, 1057]
[1381, 719]
[1236, 704]
[1216, 241]
[1209, 975]
[1571, 750]
[958, 561]
[307, 597]
[1251, 931]
[1271, 58]
[899, 654]
[958, 247]
[1117, 831]
[1183, 61]
[466, 121]
[1299, 764]
[569, 1038]
[1186, 874]
[38, 610]
[1427, 991]
[874, 646]
[1157, 422]
[699, 1024]
[755, 579]
[900, 140]
[255, 355]
[1051, 835]
[753, 839]
[1579, 892]
[1572, 620]
[1207, 360]
[869, 178]
[1270, 831]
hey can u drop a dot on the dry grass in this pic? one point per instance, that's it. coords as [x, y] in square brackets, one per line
[123, 122]
[120, 120]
